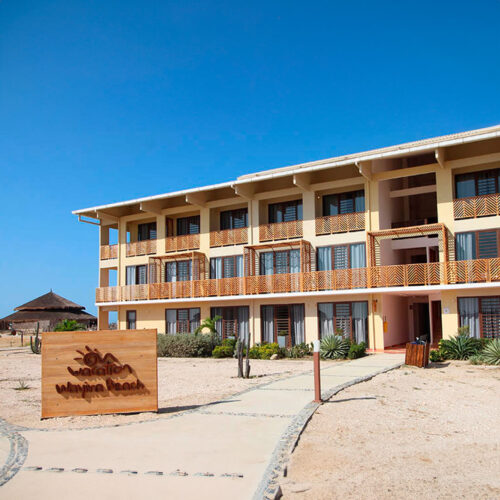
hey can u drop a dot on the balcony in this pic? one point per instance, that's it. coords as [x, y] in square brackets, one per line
[426, 274]
[476, 206]
[145, 247]
[343, 223]
[228, 237]
[414, 222]
[181, 243]
[109, 252]
[280, 230]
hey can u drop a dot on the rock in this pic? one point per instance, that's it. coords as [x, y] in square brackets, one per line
[274, 356]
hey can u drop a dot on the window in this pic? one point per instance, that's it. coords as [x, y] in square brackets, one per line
[282, 319]
[481, 315]
[347, 318]
[131, 320]
[282, 262]
[182, 320]
[234, 219]
[136, 275]
[188, 225]
[178, 271]
[341, 257]
[226, 267]
[285, 211]
[345, 203]
[477, 183]
[477, 245]
[233, 321]
[146, 231]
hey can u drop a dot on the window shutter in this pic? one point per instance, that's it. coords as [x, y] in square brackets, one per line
[487, 244]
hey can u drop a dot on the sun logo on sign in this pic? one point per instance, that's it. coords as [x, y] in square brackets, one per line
[93, 357]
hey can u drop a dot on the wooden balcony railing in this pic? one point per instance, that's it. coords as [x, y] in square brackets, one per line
[342, 223]
[180, 243]
[280, 230]
[432, 273]
[109, 252]
[229, 237]
[476, 206]
[145, 247]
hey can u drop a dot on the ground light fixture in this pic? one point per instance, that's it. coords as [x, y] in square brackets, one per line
[317, 376]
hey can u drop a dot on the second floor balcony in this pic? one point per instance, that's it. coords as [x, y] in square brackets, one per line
[280, 230]
[145, 247]
[109, 252]
[342, 223]
[226, 237]
[182, 242]
[404, 275]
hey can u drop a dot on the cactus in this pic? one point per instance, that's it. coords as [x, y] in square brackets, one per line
[36, 345]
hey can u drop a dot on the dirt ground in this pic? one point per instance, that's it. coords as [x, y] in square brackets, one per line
[182, 384]
[410, 433]
[7, 340]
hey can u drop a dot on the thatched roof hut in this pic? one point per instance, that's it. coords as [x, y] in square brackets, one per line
[48, 310]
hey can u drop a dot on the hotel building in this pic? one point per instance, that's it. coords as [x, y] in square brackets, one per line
[385, 245]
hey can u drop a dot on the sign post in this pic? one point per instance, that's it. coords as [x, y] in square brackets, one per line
[92, 373]
[317, 375]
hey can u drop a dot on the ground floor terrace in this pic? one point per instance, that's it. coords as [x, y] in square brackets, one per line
[384, 320]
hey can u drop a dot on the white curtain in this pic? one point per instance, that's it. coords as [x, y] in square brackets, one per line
[266, 263]
[194, 319]
[466, 246]
[217, 311]
[295, 261]
[171, 316]
[239, 266]
[325, 319]
[267, 323]
[243, 329]
[324, 259]
[216, 268]
[468, 309]
[359, 321]
[171, 271]
[297, 323]
[358, 255]
[130, 275]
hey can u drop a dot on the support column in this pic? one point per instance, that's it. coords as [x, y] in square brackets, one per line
[309, 215]
[444, 199]
[204, 230]
[161, 230]
[255, 208]
[122, 251]
[102, 319]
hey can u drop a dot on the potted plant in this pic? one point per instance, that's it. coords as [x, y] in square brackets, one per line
[282, 337]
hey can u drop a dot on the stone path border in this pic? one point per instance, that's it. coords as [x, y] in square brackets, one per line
[269, 487]
[17, 454]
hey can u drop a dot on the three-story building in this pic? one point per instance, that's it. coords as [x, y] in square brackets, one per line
[385, 246]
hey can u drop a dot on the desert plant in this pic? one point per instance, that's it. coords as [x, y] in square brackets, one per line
[268, 350]
[357, 350]
[68, 325]
[254, 352]
[210, 324]
[491, 353]
[477, 359]
[460, 347]
[36, 345]
[334, 347]
[299, 351]
[187, 345]
[22, 386]
[223, 351]
[437, 355]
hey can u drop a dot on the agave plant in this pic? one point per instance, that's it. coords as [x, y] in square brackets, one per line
[491, 353]
[334, 347]
[460, 347]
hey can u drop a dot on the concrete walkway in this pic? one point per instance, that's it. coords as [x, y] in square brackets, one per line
[234, 448]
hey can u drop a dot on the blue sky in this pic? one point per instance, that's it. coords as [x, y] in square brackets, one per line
[106, 101]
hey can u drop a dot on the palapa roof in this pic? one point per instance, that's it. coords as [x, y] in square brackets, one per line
[49, 306]
[49, 301]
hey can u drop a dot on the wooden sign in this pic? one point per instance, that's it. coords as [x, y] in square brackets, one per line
[106, 371]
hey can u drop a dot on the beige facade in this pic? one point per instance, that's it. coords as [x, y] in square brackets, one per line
[401, 202]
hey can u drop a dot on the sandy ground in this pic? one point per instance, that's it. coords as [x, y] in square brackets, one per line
[7, 340]
[182, 384]
[410, 433]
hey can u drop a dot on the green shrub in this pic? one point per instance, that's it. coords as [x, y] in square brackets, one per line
[68, 325]
[299, 351]
[267, 350]
[436, 356]
[334, 347]
[491, 353]
[477, 359]
[460, 347]
[254, 352]
[229, 343]
[357, 350]
[223, 351]
[187, 345]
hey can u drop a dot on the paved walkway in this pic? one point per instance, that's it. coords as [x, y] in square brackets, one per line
[234, 448]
